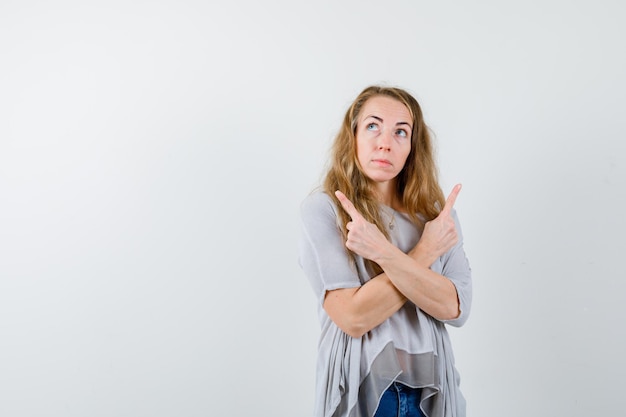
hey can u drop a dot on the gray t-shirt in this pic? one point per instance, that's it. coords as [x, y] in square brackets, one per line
[410, 346]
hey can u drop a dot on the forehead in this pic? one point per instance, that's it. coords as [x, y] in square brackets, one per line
[386, 108]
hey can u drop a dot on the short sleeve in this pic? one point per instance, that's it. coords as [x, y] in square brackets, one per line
[322, 254]
[455, 266]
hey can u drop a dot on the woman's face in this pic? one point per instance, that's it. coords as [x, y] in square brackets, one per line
[383, 138]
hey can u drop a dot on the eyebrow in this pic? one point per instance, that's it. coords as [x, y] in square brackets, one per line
[381, 120]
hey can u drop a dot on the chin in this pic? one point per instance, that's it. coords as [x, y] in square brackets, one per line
[382, 178]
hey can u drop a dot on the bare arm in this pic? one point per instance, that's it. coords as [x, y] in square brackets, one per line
[409, 273]
[358, 310]
[430, 291]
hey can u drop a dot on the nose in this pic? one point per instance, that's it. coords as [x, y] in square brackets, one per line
[384, 140]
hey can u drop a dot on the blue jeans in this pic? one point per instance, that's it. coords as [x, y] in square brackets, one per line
[400, 401]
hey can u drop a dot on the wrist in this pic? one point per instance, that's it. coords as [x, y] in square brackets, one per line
[388, 256]
[422, 256]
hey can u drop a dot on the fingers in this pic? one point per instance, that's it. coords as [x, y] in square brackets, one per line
[451, 199]
[347, 205]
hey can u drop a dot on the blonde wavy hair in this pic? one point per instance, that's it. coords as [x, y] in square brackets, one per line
[417, 185]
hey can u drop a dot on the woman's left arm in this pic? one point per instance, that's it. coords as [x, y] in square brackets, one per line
[434, 293]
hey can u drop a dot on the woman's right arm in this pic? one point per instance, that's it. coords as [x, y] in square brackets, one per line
[354, 307]
[410, 275]
[358, 310]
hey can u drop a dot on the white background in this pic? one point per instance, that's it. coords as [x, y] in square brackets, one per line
[153, 155]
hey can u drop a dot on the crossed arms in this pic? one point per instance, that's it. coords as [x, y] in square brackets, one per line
[405, 276]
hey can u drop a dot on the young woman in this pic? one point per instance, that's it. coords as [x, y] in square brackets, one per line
[383, 251]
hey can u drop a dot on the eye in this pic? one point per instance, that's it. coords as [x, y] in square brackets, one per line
[402, 133]
[371, 126]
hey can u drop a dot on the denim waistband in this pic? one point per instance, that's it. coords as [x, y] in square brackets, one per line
[400, 387]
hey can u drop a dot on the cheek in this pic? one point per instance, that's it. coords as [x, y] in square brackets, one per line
[361, 151]
[406, 150]
[405, 156]
[361, 156]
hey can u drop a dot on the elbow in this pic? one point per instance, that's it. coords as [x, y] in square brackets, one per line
[457, 320]
[355, 331]
[353, 327]
[451, 309]
[346, 314]
[461, 309]
[454, 311]
[351, 323]
[449, 313]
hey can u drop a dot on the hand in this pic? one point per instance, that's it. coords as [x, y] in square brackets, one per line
[364, 238]
[439, 234]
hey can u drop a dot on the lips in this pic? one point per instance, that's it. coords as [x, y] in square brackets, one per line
[382, 162]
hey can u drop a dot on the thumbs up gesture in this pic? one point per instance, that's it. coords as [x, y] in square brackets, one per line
[364, 238]
[439, 235]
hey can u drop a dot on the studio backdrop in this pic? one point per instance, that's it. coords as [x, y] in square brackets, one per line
[153, 157]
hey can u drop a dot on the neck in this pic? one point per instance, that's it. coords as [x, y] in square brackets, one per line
[386, 194]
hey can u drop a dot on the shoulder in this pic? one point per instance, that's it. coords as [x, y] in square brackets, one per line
[318, 216]
[316, 204]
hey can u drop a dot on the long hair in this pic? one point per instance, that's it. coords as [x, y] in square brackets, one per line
[417, 183]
